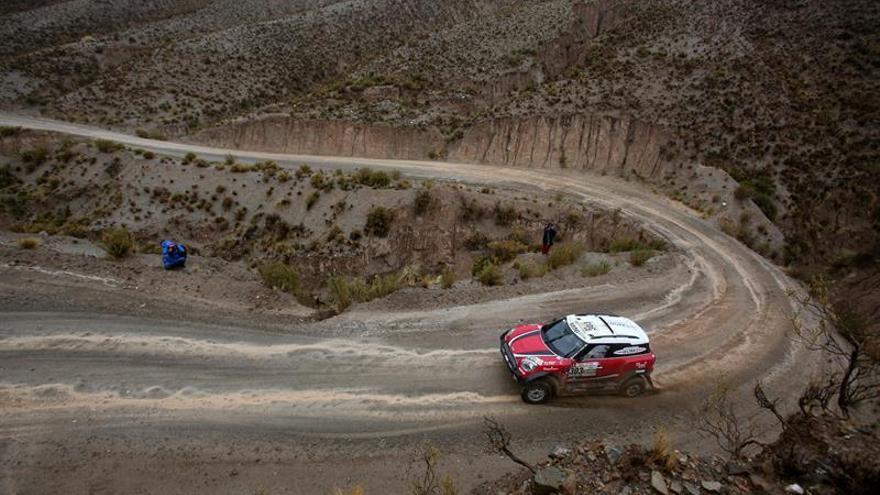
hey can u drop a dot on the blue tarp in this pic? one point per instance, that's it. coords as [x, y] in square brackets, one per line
[173, 255]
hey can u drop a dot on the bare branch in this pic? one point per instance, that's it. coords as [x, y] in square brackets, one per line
[498, 441]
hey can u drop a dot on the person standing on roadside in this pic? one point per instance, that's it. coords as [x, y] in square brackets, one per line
[547, 239]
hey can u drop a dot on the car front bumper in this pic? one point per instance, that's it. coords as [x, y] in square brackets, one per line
[509, 359]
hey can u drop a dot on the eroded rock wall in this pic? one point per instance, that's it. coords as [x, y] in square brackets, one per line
[280, 133]
[582, 142]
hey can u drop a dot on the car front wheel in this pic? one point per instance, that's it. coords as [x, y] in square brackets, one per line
[537, 392]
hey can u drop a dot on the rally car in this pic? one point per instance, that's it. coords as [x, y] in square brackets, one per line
[579, 354]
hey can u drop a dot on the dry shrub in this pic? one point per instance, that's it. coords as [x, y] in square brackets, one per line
[117, 242]
[638, 258]
[662, 452]
[490, 275]
[564, 254]
[280, 276]
[531, 270]
[447, 278]
[379, 221]
[596, 269]
[507, 250]
[30, 243]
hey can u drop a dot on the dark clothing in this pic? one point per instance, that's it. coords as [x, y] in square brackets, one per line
[549, 235]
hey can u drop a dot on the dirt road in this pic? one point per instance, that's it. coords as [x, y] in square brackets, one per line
[112, 402]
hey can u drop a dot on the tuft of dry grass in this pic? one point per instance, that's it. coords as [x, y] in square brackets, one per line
[30, 243]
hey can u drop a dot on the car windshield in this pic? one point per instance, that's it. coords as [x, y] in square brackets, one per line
[560, 339]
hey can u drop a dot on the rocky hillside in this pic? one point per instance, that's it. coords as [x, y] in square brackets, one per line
[781, 96]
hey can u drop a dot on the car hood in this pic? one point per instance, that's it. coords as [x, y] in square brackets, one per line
[525, 340]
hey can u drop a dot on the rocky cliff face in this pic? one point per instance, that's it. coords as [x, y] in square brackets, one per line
[582, 142]
[280, 133]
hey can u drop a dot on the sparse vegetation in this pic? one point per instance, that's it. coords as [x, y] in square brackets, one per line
[596, 269]
[490, 274]
[117, 242]
[507, 250]
[379, 221]
[531, 270]
[280, 276]
[107, 146]
[639, 257]
[564, 254]
[447, 278]
[30, 243]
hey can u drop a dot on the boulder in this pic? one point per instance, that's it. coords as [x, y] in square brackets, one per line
[549, 480]
[658, 483]
[711, 486]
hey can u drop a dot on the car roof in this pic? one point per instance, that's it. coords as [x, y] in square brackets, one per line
[606, 329]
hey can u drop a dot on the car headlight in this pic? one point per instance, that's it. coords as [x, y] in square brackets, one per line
[528, 364]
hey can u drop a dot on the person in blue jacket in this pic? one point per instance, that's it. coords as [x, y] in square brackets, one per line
[173, 255]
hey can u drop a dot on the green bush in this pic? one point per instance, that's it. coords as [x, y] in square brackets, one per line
[490, 275]
[321, 182]
[481, 262]
[312, 199]
[639, 257]
[423, 202]
[628, 244]
[476, 241]
[344, 291]
[507, 250]
[117, 242]
[7, 178]
[35, 156]
[280, 276]
[379, 221]
[107, 146]
[447, 278]
[596, 269]
[531, 270]
[372, 178]
[505, 215]
[470, 211]
[6, 131]
[189, 158]
[564, 254]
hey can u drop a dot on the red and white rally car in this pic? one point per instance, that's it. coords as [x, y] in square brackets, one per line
[578, 354]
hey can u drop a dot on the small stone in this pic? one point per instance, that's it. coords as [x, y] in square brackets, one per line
[560, 451]
[675, 486]
[549, 480]
[626, 491]
[613, 454]
[658, 482]
[736, 469]
[711, 486]
[794, 488]
[691, 488]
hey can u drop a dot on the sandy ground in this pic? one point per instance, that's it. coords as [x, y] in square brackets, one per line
[106, 389]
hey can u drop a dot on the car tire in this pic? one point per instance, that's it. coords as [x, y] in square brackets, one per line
[633, 387]
[537, 392]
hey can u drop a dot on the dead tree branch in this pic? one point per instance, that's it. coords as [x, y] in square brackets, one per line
[498, 441]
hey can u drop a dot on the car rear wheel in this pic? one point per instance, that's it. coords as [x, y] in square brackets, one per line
[633, 387]
[537, 392]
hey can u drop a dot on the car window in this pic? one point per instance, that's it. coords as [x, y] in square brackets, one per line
[560, 339]
[597, 351]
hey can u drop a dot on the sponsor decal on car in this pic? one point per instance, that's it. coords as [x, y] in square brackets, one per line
[626, 351]
[581, 328]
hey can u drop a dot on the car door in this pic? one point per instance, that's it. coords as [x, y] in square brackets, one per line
[590, 370]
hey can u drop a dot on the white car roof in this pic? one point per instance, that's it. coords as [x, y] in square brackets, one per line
[606, 329]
